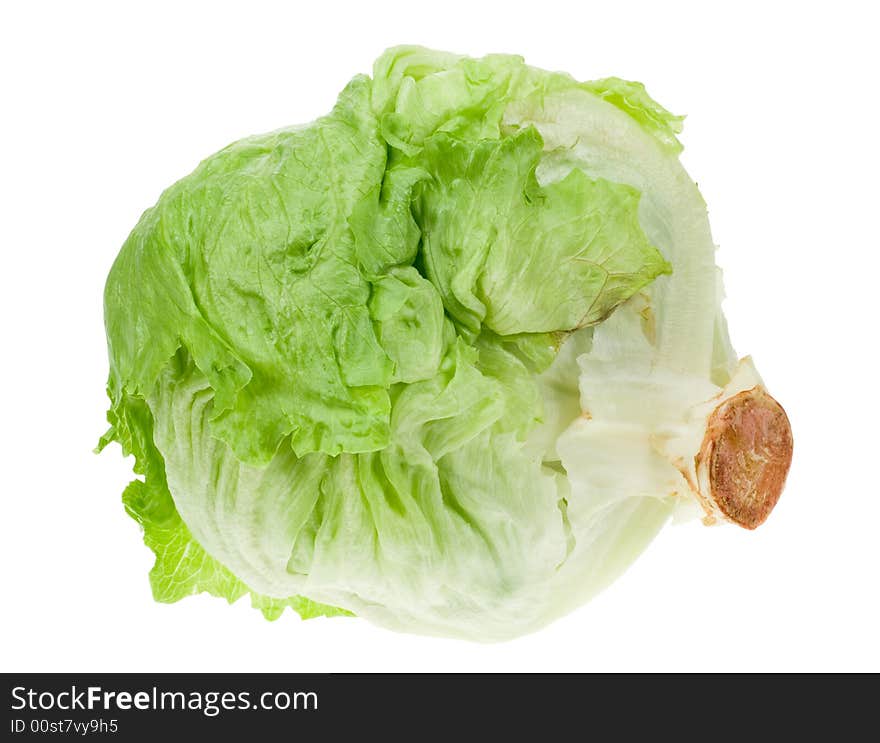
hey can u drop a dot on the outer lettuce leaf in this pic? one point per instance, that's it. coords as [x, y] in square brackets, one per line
[252, 252]
[633, 99]
[408, 316]
[586, 133]
[182, 568]
[449, 529]
[522, 258]
[419, 91]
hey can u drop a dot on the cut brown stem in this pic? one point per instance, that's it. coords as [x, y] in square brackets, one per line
[745, 456]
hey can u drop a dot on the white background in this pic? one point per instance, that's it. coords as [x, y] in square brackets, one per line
[105, 105]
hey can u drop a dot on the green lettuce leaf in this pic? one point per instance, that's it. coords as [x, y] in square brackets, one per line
[518, 257]
[632, 98]
[182, 567]
[249, 263]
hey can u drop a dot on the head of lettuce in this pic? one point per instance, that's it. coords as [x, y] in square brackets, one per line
[446, 358]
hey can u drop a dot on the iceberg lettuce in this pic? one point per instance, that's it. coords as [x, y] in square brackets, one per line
[446, 358]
